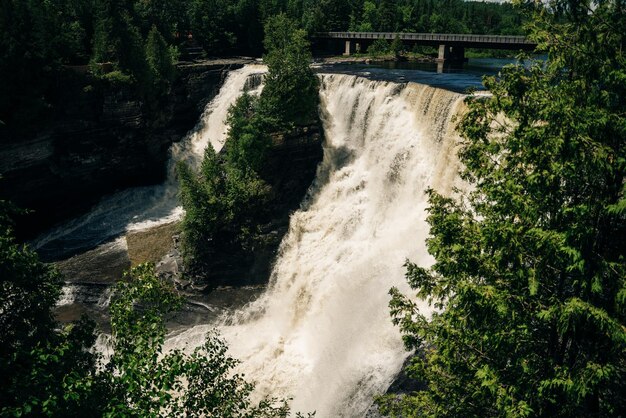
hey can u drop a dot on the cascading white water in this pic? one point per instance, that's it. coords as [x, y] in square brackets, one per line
[212, 128]
[322, 332]
[145, 207]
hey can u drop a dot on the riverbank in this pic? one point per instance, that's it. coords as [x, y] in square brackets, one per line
[375, 59]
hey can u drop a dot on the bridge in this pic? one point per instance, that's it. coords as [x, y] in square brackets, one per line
[451, 46]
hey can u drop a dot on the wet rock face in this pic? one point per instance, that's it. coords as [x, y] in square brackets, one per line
[90, 278]
[102, 138]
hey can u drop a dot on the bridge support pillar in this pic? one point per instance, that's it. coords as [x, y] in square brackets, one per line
[444, 53]
[453, 55]
[348, 51]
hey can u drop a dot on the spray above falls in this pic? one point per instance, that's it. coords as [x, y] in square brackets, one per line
[322, 332]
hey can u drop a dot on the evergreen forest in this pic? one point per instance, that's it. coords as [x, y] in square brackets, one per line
[137, 41]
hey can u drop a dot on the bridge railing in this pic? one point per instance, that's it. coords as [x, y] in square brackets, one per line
[430, 37]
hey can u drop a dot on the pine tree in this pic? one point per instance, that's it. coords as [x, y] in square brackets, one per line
[290, 95]
[160, 60]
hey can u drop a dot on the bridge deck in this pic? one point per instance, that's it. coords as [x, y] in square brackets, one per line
[466, 40]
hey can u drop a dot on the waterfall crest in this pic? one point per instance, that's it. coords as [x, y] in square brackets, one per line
[322, 332]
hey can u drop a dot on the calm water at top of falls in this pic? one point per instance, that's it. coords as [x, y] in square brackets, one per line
[454, 79]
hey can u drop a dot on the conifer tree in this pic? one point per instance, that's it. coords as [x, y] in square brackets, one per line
[290, 96]
[160, 59]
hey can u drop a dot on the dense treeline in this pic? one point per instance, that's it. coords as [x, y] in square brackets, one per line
[38, 37]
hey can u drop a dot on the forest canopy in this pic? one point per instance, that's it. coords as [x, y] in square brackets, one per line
[39, 39]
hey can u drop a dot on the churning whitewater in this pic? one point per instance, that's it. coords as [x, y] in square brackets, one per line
[321, 333]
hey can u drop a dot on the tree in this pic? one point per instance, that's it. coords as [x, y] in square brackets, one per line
[225, 200]
[210, 22]
[42, 367]
[378, 47]
[144, 381]
[396, 47]
[290, 95]
[247, 140]
[161, 59]
[369, 17]
[529, 274]
[204, 210]
[117, 39]
[387, 16]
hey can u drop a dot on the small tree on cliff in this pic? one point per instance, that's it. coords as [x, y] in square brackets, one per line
[290, 96]
[226, 201]
[530, 271]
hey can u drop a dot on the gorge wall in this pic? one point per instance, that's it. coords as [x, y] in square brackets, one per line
[136, 225]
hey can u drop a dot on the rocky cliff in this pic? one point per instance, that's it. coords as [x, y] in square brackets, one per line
[102, 137]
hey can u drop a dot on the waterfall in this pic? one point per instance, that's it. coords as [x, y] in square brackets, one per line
[145, 207]
[322, 333]
[212, 127]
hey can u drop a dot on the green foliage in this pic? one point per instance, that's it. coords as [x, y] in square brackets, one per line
[118, 40]
[41, 367]
[369, 19]
[204, 210]
[144, 381]
[169, 17]
[161, 60]
[396, 47]
[226, 198]
[448, 16]
[36, 38]
[248, 138]
[378, 48]
[118, 78]
[529, 278]
[209, 22]
[290, 95]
